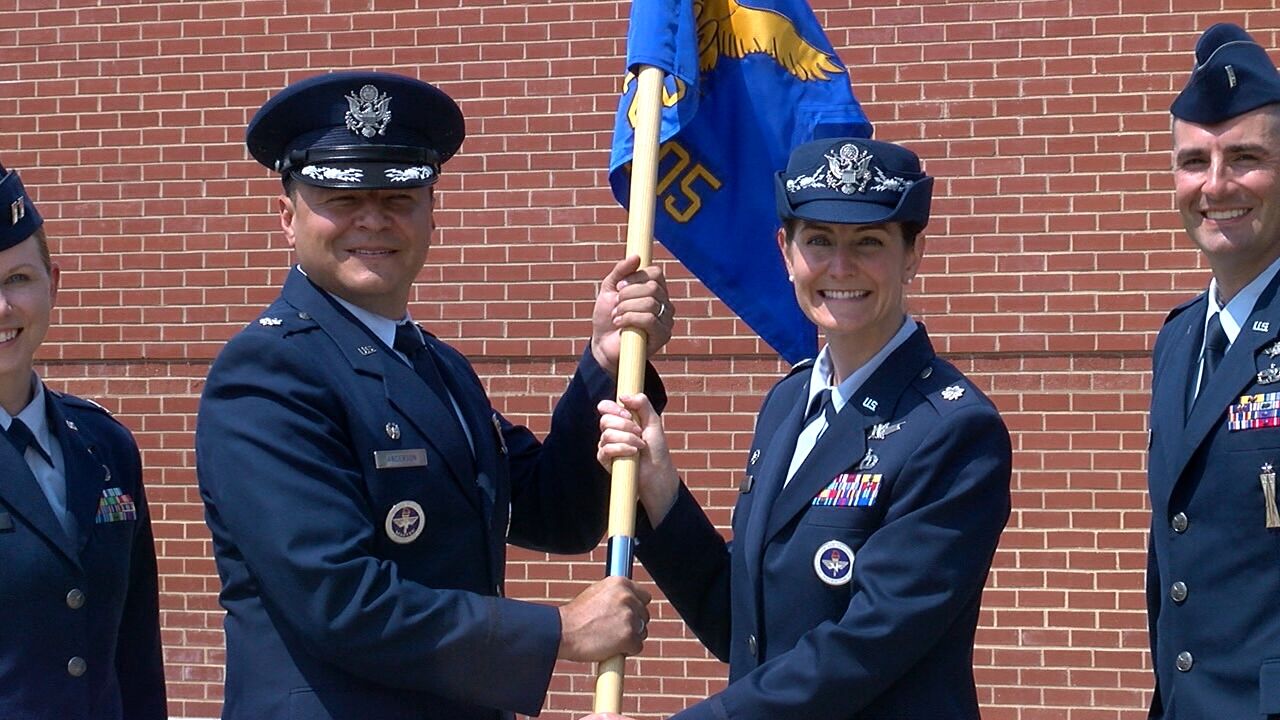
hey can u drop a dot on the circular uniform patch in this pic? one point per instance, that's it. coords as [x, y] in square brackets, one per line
[405, 521]
[834, 563]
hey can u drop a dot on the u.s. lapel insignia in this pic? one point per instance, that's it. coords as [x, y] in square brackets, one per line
[953, 392]
[880, 431]
[106, 475]
[366, 350]
[755, 455]
[833, 563]
[869, 460]
[1273, 349]
[393, 431]
[72, 426]
[405, 521]
[870, 404]
[1261, 326]
[1270, 375]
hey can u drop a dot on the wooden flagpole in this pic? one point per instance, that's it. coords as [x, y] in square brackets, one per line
[631, 362]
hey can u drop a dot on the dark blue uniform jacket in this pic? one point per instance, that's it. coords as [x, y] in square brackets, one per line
[895, 640]
[81, 635]
[328, 616]
[1213, 577]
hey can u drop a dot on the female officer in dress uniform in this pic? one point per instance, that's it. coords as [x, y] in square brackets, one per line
[81, 638]
[875, 490]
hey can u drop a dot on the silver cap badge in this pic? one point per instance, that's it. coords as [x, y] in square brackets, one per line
[369, 112]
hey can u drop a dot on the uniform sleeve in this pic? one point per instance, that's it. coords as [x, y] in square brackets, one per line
[1154, 596]
[559, 491]
[690, 561]
[284, 495]
[139, 656]
[949, 506]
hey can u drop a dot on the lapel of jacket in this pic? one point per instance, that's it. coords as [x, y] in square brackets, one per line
[86, 476]
[21, 492]
[783, 428]
[404, 390]
[845, 442]
[486, 435]
[1237, 372]
[1178, 363]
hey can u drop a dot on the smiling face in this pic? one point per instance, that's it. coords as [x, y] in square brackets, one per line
[364, 246]
[1227, 191]
[28, 287]
[850, 280]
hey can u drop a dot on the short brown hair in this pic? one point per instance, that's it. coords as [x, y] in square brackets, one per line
[42, 243]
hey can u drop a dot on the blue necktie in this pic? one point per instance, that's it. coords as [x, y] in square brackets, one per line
[821, 403]
[1215, 347]
[409, 341]
[22, 438]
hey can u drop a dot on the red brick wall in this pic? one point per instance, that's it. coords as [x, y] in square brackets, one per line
[1053, 256]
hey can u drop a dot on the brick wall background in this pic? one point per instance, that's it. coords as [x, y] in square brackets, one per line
[1053, 255]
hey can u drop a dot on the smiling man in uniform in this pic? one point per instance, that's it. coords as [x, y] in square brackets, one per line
[360, 488]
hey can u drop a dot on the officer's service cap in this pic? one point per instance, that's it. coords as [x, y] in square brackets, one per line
[855, 181]
[1232, 76]
[18, 217]
[364, 130]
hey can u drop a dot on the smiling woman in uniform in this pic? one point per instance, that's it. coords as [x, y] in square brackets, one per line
[875, 490]
[81, 638]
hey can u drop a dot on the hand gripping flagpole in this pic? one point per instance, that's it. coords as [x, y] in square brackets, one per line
[631, 361]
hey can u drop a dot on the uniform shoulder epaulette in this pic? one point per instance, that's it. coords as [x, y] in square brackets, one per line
[284, 320]
[945, 387]
[804, 364]
[1180, 309]
[81, 402]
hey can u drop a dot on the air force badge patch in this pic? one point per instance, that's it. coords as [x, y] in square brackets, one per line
[834, 563]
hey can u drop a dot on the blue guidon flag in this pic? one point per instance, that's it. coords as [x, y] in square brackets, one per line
[746, 82]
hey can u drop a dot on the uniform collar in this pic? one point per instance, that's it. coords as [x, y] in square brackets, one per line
[382, 328]
[34, 417]
[1241, 306]
[823, 370]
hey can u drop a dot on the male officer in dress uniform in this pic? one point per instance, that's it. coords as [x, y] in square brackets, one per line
[1214, 564]
[81, 636]
[358, 484]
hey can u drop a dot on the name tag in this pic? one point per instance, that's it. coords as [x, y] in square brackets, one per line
[385, 459]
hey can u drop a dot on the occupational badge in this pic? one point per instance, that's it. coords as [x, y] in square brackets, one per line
[880, 431]
[405, 521]
[1270, 375]
[869, 460]
[833, 563]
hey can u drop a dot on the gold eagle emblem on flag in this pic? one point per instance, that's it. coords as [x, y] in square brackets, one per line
[728, 29]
